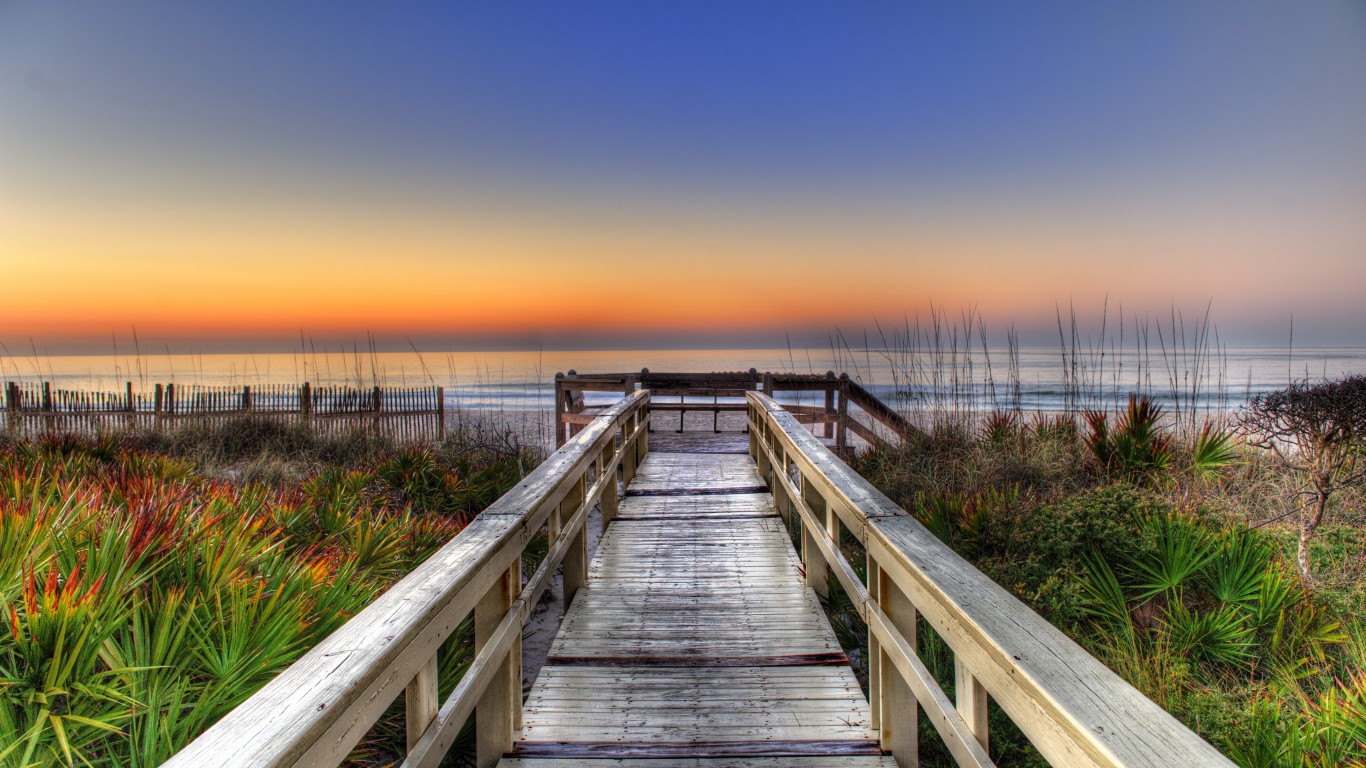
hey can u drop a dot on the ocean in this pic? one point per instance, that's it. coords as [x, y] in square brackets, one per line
[1033, 379]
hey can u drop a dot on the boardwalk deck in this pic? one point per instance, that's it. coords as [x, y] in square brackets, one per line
[695, 643]
[691, 641]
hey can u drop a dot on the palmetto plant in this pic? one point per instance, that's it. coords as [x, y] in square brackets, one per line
[1182, 550]
[1216, 601]
[1219, 636]
[1213, 450]
[1238, 568]
[1135, 446]
[62, 698]
[140, 603]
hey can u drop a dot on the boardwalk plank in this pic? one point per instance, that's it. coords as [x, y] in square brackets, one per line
[695, 630]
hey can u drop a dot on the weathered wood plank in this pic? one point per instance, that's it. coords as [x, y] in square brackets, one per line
[694, 749]
[826, 659]
[736, 443]
[695, 631]
[844, 761]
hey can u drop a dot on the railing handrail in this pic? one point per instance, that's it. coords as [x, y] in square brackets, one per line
[1074, 709]
[314, 712]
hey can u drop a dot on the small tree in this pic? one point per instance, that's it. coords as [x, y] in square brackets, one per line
[1316, 430]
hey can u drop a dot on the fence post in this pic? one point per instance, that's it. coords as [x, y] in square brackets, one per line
[379, 394]
[246, 397]
[441, 410]
[12, 396]
[47, 395]
[305, 400]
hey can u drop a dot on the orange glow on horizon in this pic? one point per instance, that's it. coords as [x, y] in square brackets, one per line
[248, 269]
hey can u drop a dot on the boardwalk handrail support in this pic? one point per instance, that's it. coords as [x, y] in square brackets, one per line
[835, 414]
[1075, 711]
[318, 709]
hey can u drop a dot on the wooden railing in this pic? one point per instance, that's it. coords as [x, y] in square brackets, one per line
[318, 709]
[689, 392]
[1073, 709]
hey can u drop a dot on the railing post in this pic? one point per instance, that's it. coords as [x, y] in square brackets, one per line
[643, 444]
[561, 408]
[898, 713]
[421, 702]
[574, 403]
[971, 701]
[842, 433]
[817, 569]
[829, 429]
[760, 456]
[649, 425]
[495, 714]
[629, 463]
[780, 497]
[610, 501]
[575, 562]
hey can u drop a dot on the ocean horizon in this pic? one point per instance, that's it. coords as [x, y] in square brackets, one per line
[1030, 378]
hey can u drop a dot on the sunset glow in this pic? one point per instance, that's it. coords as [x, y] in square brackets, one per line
[561, 176]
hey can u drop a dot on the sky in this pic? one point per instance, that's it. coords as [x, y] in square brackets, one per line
[598, 174]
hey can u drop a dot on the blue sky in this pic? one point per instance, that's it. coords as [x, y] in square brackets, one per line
[1007, 155]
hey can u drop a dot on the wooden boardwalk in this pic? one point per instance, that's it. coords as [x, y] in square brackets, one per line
[695, 641]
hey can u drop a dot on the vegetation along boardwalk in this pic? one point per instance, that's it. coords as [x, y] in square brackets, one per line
[695, 636]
